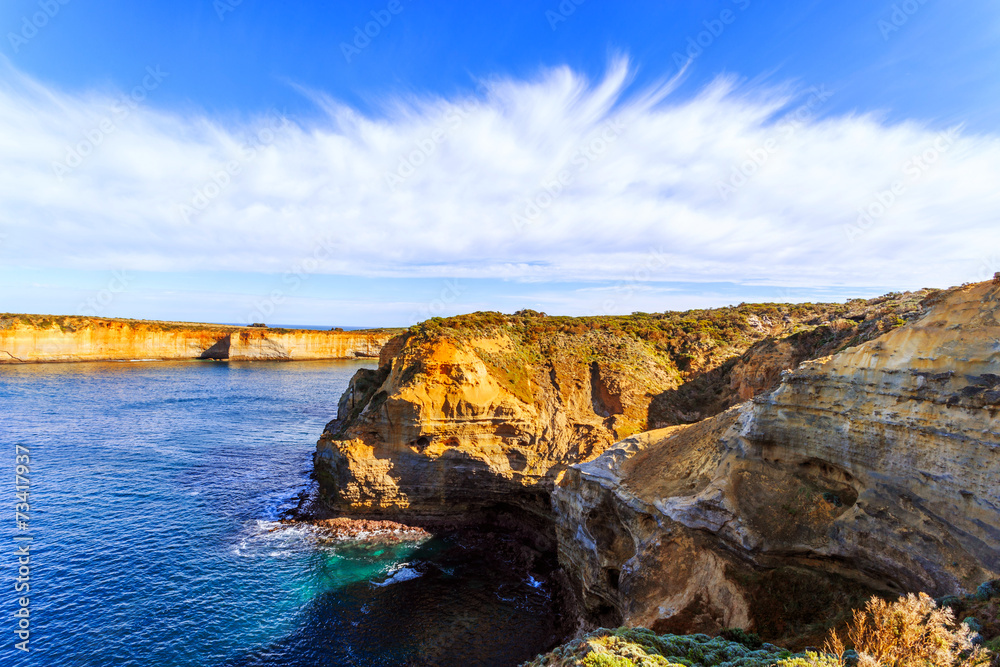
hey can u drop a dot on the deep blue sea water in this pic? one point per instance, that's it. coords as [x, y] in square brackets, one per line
[154, 489]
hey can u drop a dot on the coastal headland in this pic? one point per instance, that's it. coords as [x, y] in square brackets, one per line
[49, 338]
[763, 466]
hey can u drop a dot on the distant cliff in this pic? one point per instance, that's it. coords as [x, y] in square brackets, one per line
[39, 338]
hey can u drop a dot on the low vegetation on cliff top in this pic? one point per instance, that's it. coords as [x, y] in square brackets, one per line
[686, 358]
[73, 323]
[694, 339]
[913, 631]
[639, 647]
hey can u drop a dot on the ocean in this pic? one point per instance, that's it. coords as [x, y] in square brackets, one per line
[154, 493]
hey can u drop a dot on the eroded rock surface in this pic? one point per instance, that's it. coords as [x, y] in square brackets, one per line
[449, 426]
[39, 338]
[491, 408]
[875, 469]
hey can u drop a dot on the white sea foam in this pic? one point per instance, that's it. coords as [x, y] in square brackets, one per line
[273, 538]
[402, 573]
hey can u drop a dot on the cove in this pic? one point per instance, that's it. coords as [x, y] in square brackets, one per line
[156, 490]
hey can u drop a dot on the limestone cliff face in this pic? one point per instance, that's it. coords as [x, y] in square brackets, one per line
[876, 468]
[490, 408]
[872, 469]
[26, 339]
[817, 332]
[447, 425]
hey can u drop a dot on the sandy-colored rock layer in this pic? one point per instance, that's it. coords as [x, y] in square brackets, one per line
[491, 408]
[444, 435]
[38, 339]
[876, 468]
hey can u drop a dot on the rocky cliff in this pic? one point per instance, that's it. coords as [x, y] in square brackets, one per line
[490, 408]
[877, 468]
[449, 425]
[874, 469]
[35, 338]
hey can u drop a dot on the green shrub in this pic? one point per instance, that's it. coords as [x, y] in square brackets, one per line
[987, 590]
[639, 647]
[741, 636]
[811, 660]
[973, 624]
[606, 660]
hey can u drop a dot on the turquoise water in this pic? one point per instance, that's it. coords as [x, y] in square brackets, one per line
[154, 493]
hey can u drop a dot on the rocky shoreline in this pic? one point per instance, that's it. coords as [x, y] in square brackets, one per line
[344, 528]
[874, 469]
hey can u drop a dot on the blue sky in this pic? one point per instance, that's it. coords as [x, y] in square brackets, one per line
[751, 150]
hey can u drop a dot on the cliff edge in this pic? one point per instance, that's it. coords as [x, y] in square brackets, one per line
[875, 469]
[489, 408]
[43, 338]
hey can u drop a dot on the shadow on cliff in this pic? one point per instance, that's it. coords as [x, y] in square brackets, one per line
[220, 350]
[703, 396]
[759, 369]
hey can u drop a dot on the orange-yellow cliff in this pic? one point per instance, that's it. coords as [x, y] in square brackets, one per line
[26, 339]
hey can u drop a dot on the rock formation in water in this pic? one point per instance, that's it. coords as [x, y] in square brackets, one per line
[37, 338]
[872, 469]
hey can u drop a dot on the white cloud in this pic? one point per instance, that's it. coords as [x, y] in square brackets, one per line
[650, 183]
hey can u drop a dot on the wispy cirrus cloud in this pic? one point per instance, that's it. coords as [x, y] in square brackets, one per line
[658, 182]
